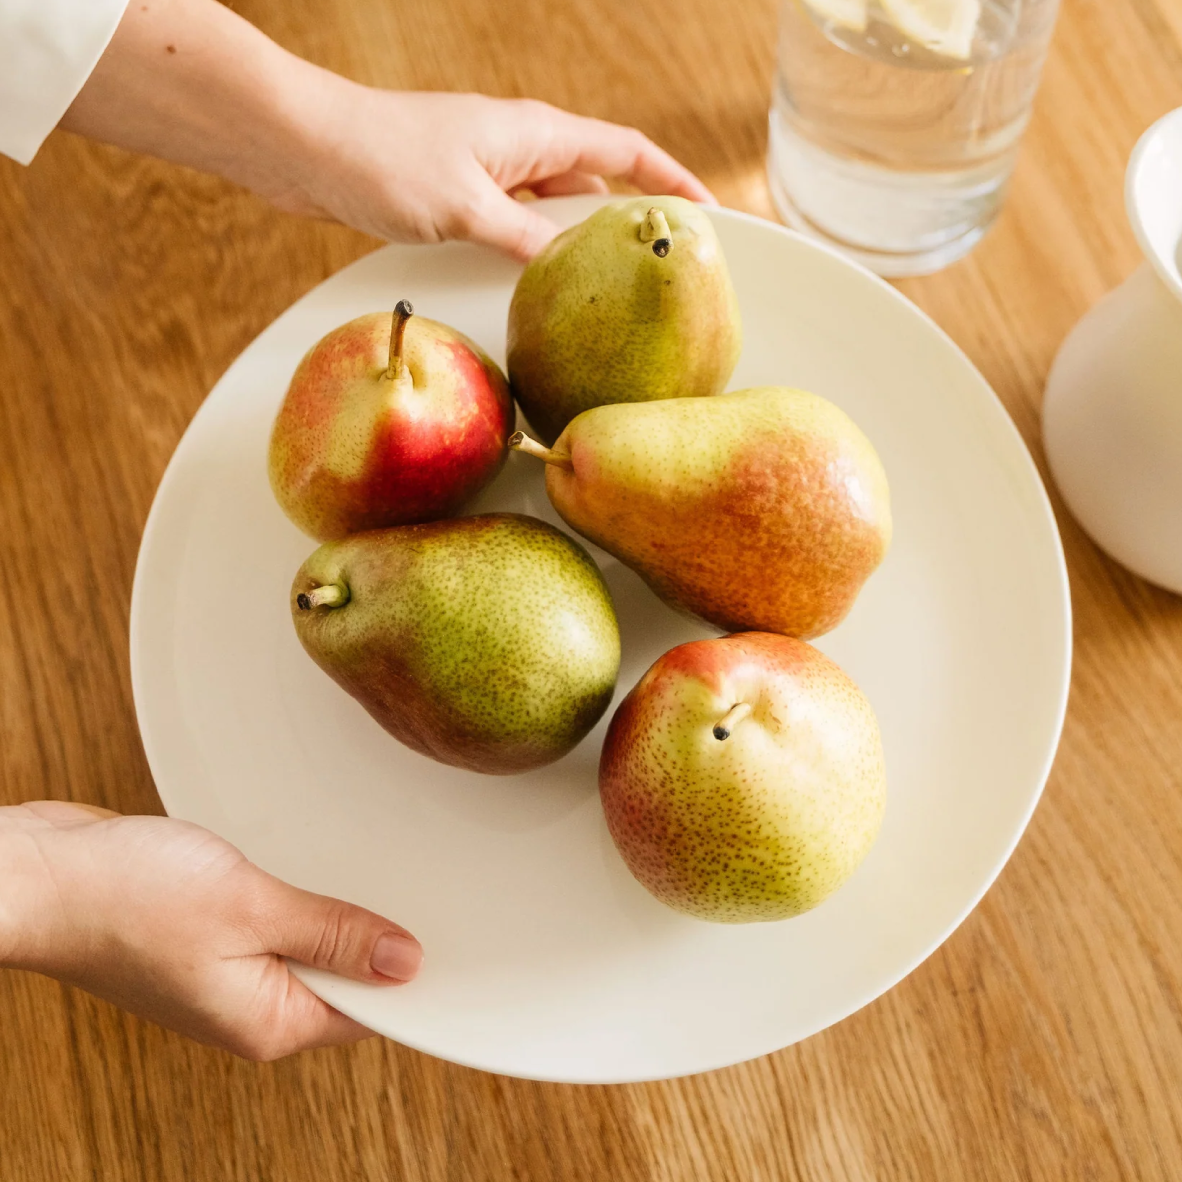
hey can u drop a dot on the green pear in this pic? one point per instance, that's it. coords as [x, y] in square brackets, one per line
[631, 305]
[487, 642]
[762, 510]
[743, 779]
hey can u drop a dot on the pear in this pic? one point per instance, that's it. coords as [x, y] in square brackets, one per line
[486, 642]
[633, 304]
[742, 778]
[762, 510]
[388, 420]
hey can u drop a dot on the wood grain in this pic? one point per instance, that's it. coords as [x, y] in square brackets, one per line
[1043, 1041]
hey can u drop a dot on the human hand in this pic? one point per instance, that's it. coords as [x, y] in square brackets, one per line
[191, 81]
[414, 167]
[168, 921]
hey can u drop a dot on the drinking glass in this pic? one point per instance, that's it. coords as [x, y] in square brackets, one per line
[895, 123]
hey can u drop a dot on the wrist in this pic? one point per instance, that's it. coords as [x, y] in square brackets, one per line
[291, 140]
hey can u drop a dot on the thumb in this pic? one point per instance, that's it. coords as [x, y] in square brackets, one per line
[508, 224]
[338, 937]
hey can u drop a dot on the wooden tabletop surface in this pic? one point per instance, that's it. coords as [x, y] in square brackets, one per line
[1043, 1041]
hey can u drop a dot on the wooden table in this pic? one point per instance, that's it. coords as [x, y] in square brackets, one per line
[1043, 1041]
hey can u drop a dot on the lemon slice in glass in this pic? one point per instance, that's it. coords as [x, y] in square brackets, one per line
[849, 14]
[945, 27]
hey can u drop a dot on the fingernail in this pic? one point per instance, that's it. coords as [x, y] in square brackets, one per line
[397, 957]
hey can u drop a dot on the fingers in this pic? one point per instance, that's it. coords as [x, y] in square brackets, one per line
[65, 812]
[503, 222]
[335, 936]
[593, 146]
[294, 1019]
[332, 1029]
[307, 1022]
[570, 183]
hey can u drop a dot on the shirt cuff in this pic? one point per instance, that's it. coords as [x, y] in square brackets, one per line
[48, 49]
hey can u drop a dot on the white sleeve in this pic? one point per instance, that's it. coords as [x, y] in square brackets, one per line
[47, 50]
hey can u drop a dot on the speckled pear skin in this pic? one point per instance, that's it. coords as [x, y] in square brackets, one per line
[598, 317]
[765, 824]
[352, 450]
[486, 642]
[760, 510]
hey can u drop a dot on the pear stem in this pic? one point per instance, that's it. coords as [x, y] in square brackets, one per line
[402, 313]
[330, 595]
[655, 229]
[654, 226]
[520, 441]
[730, 720]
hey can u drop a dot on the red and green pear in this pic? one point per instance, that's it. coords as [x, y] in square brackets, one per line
[760, 510]
[743, 779]
[388, 421]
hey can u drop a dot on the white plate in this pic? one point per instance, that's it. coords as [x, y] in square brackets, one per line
[544, 958]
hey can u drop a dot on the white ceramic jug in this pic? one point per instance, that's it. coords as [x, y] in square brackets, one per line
[1112, 415]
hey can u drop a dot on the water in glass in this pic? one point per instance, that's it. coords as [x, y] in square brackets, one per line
[895, 123]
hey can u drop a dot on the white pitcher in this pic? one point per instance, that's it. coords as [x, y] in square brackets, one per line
[1112, 415]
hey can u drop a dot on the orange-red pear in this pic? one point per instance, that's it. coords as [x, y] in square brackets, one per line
[763, 510]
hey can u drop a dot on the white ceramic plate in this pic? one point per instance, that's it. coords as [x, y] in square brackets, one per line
[544, 958]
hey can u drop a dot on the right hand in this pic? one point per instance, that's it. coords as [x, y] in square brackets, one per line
[191, 81]
[168, 921]
[422, 167]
